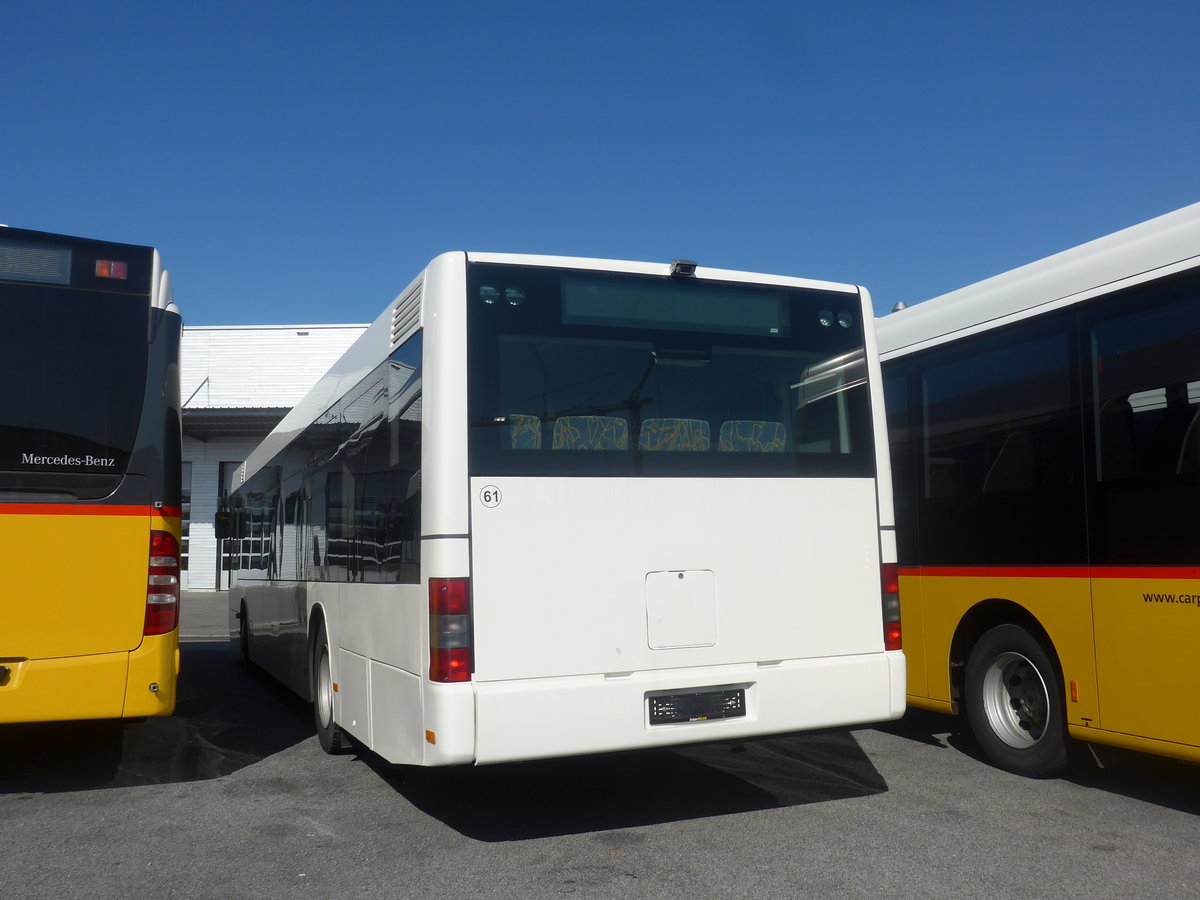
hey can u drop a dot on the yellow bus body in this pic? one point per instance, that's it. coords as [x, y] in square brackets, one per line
[73, 610]
[1125, 639]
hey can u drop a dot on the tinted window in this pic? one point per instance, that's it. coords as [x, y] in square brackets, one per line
[258, 541]
[75, 363]
[349, 508]
[999, 468]
[577, 373]
[906, 443]
[1145, 372]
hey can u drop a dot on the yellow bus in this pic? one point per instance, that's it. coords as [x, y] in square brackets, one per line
[90, 495]
[1045, 434]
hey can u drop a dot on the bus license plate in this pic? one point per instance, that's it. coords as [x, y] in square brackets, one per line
[697, 706]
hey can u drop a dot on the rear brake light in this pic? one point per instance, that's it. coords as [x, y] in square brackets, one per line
[162, 584]
[111, 268]
[450, 630]
[890, 590]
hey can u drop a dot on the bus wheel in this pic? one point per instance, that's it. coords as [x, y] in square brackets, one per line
[1014, 702]
[244, 637]
[332, 738]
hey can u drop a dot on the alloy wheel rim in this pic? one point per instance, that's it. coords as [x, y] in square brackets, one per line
[324, 690]
[1015, 700]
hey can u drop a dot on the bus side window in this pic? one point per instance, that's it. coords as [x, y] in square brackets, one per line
[1189, 449]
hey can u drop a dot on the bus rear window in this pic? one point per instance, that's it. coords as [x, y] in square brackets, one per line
[673, 305]
[77, 361]
[578, 373]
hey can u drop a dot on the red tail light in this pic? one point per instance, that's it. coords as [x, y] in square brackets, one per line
[162, 584]
[449, 630]
[111, 268]
[890, 588]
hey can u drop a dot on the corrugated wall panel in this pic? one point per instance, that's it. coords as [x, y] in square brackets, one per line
[263, 367]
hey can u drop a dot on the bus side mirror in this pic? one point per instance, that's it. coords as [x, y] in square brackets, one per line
[223, 524]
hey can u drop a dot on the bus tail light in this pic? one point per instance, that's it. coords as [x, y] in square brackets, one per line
[111, 268]
[162, 584]
[449, 629]
[892, 635]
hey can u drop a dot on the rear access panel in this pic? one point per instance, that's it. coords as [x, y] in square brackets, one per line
[681, 609]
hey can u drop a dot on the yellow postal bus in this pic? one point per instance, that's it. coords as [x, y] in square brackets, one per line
[1045, 432]
[89, 480]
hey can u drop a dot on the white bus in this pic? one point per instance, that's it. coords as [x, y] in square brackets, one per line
[549, 506]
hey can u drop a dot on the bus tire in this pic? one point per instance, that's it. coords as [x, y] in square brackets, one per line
[244, 637]
[1014, 703]
[332, 738]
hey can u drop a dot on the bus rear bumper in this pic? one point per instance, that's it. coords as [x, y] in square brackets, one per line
[52, 690]
[550, 717]
[153, 672]
[97, 686]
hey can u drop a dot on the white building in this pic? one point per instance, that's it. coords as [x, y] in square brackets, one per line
[236, 383]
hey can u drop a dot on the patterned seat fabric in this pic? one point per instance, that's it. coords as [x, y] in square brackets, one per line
[675, 434]
[525, 432]
[590, 433]
[752, 437]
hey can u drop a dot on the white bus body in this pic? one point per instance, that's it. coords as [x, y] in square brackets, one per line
[625, 589]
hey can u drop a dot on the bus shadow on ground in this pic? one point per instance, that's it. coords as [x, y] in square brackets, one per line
[225, 719]
[1151, 779]
[609, 792]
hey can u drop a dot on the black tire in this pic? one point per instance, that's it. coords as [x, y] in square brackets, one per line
[332, 738]
[1015, 703]
[244, 637]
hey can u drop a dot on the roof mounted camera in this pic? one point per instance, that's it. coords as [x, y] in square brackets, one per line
[683, 268]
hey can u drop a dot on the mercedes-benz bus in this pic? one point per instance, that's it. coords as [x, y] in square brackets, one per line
[89, 480]
[1045, 428]
[550, 506]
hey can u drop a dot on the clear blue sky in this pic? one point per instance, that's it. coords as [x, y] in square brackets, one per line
[298, 162]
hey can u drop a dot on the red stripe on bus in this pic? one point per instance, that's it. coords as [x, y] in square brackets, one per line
[1097, 572]
[83, 509]
[1146, 572]
[996, 571]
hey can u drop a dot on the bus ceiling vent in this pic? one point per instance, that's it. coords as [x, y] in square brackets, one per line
[900, 304]
[683, 268]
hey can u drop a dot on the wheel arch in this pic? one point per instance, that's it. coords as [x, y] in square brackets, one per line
[981, 618]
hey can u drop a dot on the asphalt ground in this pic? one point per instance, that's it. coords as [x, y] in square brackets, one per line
[232, 797]
[203, 616]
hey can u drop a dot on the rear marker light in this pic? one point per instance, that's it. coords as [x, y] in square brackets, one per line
[162, 584]
[450, 658]
[892, 638]
[890, 591]
[111, 268]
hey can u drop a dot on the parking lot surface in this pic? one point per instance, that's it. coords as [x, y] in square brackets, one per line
[232, 797]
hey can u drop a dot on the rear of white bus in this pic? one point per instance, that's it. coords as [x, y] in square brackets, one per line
[679, 510]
